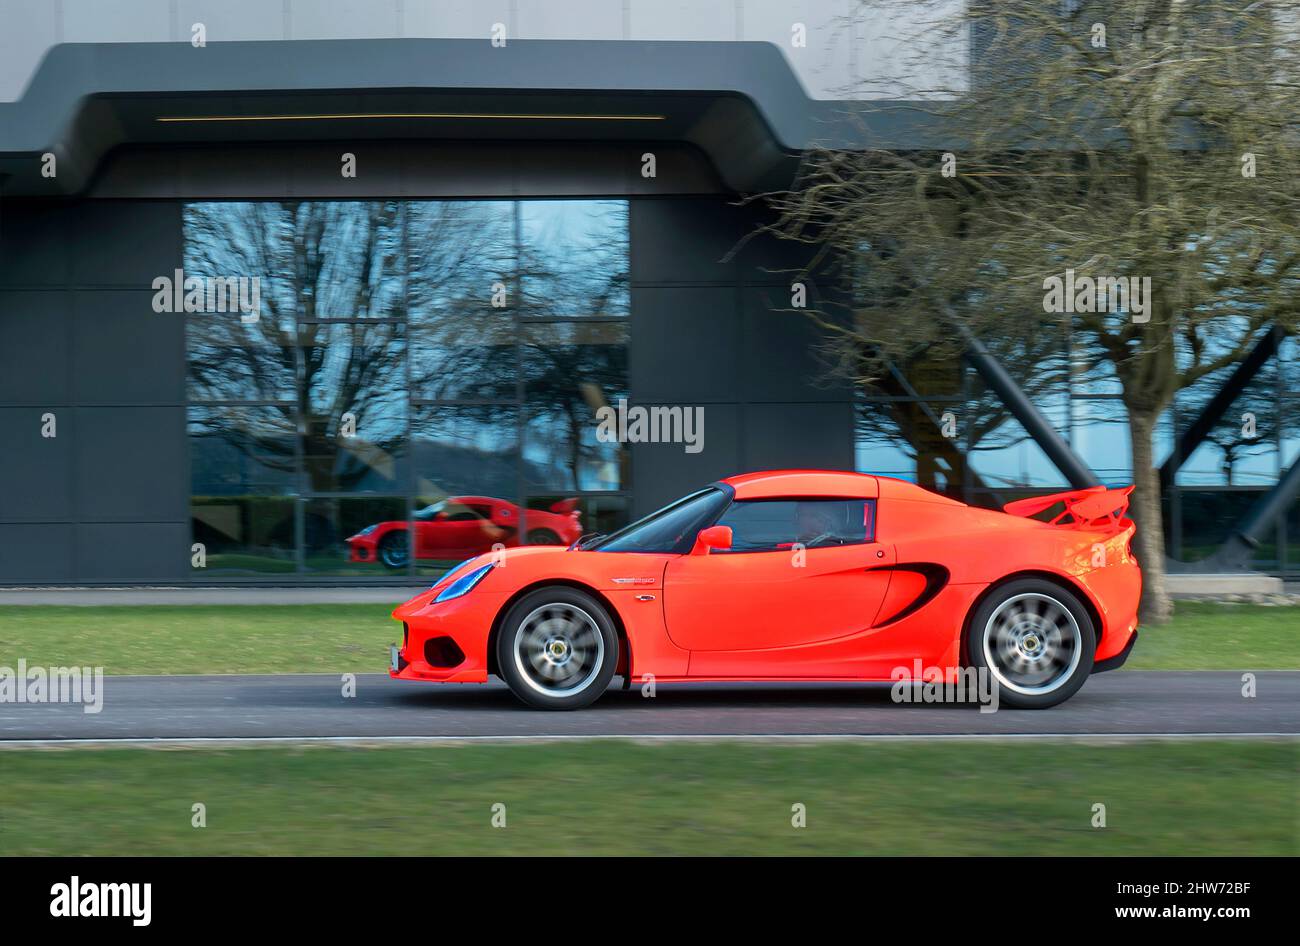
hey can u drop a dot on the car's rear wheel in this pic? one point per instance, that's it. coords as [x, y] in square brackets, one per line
[1036, 640]
[543, 537]
[395, 550]
[557, 648]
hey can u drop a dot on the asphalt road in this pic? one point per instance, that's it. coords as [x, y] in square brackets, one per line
[312, 705]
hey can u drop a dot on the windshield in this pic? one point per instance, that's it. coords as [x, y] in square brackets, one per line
[671, 529]
[428, 512]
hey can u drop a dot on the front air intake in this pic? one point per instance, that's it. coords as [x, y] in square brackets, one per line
[442, 652]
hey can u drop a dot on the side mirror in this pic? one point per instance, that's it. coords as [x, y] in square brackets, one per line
[714, 537]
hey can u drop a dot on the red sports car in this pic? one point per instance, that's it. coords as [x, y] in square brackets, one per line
[795, 575]
[459, 526]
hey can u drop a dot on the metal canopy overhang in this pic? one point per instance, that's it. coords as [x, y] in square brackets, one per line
[740, 103]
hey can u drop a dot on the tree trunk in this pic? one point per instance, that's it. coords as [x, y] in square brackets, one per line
[1149, 542]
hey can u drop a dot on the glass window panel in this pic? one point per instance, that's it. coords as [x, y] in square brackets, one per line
[574, 258]
[1228, 458]
[328, 524]
[467, 469]
[572, 371]
[235, 451]
[1002, 452]
[1004, 455]
[463, 347]
[322, 259]
[244, 534]
[882, 448]
[1099, 435]
[229, 360]
[564, 451]
[330, 350]
[252, 240]
[1242, 448]
[460, 450]
[348, 259]
[458, 527]
[464, 450]
[589, 514]
[457, 251]
[466, 355]
[354, 436]
[1208, 518]
[556, 519]
[906, 438]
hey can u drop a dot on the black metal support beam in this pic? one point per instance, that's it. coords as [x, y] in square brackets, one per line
[1235, 554]
[1031, 418]
[1218, 405]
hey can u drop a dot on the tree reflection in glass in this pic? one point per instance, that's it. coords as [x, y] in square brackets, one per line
[368, 307]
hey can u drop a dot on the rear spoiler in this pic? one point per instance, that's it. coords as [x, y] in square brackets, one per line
[1095, 507]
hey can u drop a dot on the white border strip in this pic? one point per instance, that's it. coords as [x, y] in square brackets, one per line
[218, 742]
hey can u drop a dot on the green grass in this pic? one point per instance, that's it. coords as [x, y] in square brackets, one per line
[353, 638]
[1206, 798]
[1210, 636]
[201, 638]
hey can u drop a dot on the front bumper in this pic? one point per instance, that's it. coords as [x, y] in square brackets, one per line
[360, 550]
[459, 628]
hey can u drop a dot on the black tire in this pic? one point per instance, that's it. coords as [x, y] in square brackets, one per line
[1036, 641]
[547, 631]
[394, 551]
[543, 537]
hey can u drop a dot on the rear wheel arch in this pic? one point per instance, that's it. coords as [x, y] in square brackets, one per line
[624, 646]
[1060, 581]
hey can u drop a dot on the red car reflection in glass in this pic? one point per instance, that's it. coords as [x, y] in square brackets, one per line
[461, 527]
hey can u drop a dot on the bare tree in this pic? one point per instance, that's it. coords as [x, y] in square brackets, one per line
[1148, 139]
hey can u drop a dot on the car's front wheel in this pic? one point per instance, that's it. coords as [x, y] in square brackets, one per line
[1036, 640]
[395, 550]
[557, 648]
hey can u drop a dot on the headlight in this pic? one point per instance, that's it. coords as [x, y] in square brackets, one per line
[367, 530]
[453, 570]
[464, 584]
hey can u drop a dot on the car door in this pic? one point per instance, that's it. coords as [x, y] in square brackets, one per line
[783, 583]
[452, 532]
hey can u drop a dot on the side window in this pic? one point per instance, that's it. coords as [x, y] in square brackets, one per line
[460, 513]
[764, 525]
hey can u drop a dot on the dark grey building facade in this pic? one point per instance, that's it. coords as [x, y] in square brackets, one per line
[514, 281]
[463, 255]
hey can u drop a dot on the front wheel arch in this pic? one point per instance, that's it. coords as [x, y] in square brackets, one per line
[1060, 581]
[624, 646]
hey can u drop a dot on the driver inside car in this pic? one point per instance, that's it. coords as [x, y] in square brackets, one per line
[814, 524]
